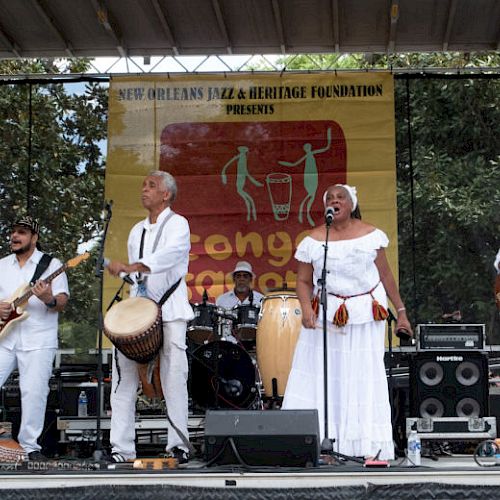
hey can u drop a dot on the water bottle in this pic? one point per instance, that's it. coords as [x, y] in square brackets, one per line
[414, 447]
[82, 404]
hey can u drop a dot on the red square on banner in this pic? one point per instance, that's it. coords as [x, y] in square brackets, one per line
[249, 189]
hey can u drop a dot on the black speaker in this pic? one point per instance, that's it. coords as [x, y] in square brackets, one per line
[271, 437]
[449, 384]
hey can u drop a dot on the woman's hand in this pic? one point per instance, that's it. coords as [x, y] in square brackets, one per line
[308, 317]
[403, 323]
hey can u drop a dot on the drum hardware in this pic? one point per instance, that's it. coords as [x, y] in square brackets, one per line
[223, 375]
[202, 328]
[247, 316]
[211, 323]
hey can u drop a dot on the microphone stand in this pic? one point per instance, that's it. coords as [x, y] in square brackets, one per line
[390, 320]
[99, 271]
[327, 443]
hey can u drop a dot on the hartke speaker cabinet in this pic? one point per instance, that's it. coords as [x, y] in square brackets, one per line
[449, 384]
[288, 438]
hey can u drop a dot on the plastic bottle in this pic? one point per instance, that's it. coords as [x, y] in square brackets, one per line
[414, 448]
[83, 404]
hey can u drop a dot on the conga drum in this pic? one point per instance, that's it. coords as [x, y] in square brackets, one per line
[277, 333]
[134, 326]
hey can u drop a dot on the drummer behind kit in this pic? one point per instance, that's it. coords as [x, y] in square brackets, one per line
[224, 374]
[212, 322]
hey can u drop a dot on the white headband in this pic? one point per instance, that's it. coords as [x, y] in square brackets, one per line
[351, 190]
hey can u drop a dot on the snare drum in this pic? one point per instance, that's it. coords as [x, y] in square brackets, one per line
[134, 326]
[222, 376]
[246, 324]
[277, 333]
[203, 328]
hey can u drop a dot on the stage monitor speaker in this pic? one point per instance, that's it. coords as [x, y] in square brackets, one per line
[449, 384]
[288, 438]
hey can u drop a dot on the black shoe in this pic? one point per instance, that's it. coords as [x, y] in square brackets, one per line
[181, 455]
[37, 456]
[117, 458]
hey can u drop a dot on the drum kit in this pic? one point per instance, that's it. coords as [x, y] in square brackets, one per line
[238, 357]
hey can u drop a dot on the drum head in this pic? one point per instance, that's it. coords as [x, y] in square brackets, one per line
[203, 327]
[131, 316]
[222, 376]
[246, 324]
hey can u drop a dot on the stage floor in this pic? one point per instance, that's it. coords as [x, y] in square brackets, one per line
[454, 470]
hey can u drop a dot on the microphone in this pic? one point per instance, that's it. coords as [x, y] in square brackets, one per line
[125, 277]
[106, 211]
[329, 213]
[205, 297]
[403, 334]
[250, 297]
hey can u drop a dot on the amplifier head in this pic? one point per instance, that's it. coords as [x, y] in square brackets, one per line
[452, 336]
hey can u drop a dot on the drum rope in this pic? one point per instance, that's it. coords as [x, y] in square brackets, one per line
[139, 277]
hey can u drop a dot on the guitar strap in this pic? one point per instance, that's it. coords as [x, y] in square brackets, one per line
[41, 268]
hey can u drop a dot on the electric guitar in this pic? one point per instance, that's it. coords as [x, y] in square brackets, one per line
[20, 297]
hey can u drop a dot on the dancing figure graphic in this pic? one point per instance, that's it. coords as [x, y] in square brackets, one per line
[242, 174]
[310, 174]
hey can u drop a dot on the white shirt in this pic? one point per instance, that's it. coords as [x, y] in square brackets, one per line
[229, 300]
[39, 329]
[497, 262]
[351, 271]
[168, 263]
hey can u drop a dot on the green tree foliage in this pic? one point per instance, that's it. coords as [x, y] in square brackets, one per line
[449, 194]
[51, 165]
[447, 251]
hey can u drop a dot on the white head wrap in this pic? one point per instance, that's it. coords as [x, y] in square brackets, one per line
[351, 190]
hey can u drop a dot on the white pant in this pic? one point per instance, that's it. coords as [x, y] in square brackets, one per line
[173, 374]
[35, 370]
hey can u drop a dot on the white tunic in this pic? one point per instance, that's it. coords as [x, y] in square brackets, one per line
[358, 401]
[39, 329]
[168, 263]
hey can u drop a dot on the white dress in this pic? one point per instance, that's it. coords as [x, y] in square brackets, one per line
[358, 400]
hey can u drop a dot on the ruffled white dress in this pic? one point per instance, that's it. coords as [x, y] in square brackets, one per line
[358, 400]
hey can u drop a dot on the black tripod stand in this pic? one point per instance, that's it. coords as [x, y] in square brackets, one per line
[99, 271]
[327, 442]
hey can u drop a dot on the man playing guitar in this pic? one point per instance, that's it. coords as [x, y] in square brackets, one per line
[30, 344]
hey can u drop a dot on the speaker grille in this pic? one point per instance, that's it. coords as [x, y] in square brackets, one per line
[468, 407]
[431, 408]
[431, 373]
[467, 373]
[449, 384]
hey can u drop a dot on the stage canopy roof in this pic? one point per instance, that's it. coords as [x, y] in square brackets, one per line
[126, 28]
